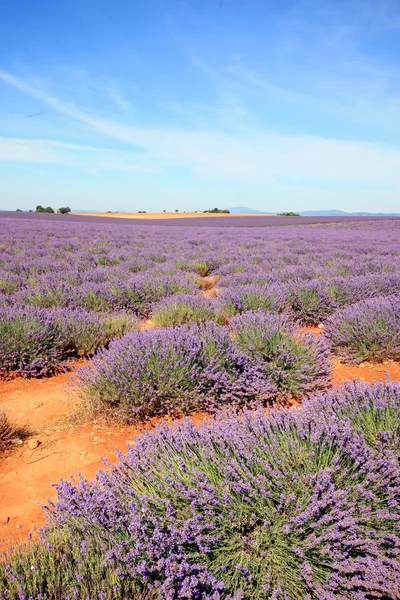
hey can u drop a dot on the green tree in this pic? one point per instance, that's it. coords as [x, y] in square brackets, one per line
[48, 209]
[64, 210]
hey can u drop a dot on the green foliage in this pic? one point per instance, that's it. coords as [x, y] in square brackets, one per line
[48, 581]
[202, 268]
[293, 360]
[218, 211]
[40, 209]
[292, 505]
[29, 345]
[182, 312]
[64, 210]
[288, 214]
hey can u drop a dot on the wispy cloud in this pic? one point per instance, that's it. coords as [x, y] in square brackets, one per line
[89, 158]
[256, 156]
[220, 110]
[119, 99]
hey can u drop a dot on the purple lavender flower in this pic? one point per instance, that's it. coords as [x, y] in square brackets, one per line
[290, 504]
[367, 330]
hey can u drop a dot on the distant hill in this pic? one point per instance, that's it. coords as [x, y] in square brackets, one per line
[341, 213]
[245, 210]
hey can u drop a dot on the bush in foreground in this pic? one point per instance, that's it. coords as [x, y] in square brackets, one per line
[368, 330]
[290, 505]
[193, 368]
[36, 342]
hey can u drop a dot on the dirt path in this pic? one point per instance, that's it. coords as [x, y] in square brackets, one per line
[64, 449]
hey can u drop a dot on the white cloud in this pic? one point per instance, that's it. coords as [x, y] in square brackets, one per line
[90, 158]
[119, 99]
[252, 157]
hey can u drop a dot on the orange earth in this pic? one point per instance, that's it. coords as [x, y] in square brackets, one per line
[66, 449]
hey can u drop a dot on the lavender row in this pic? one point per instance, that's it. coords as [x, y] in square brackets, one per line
[310, 271]
[260, 358]
[293, 504]
[36, 342]
[368, 330]
[310, 302]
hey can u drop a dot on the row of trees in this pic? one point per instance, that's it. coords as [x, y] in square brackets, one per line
[63, 210]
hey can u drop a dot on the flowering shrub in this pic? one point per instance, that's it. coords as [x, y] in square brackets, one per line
[243, 298]
[180, 370]
[36, 342]
[170, 371]
[316, 300]
[137, 294]
[85, 332]
[310, 301]
[31, 342]
[368, 330]
[293, 504]
[184, 308]
[309, 272]
[296, 362]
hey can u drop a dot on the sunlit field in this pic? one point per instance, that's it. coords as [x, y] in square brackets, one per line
[262, 478]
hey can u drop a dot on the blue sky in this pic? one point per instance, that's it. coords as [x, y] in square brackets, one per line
[187, 104]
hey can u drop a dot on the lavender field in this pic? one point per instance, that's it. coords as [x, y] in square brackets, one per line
[172, 321]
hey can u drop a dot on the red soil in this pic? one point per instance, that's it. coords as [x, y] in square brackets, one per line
[367, 371]
[67, 449]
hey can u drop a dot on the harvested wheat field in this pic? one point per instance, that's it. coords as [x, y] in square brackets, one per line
[255, 373]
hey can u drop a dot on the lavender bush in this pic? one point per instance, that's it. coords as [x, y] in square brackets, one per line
[296, 362]
[313, 271]
[35, 342]
[368, 330]
[293, 504]
[184, 308]
[172, 371]
[243, 298]
[180, 370]
[31, 342]
[84, 333]
[310, 301]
